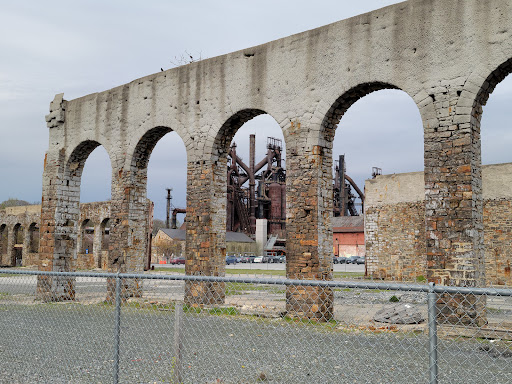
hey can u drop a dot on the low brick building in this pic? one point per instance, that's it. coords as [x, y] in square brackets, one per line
[395, 225]
[348, 236]
[171, 242]
[19, 235]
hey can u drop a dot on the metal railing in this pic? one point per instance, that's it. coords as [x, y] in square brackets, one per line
[249, 330]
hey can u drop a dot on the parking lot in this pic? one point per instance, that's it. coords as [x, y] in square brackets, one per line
[273, 266]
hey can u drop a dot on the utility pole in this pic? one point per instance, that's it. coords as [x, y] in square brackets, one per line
[169, 198]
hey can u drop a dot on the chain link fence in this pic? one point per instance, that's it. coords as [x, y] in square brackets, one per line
[160, 328]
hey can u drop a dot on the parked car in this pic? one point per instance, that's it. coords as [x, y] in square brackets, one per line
[360, 260]
[258, 259]
[352, 259]
[231, 259]
[177, 260]
[339, 260]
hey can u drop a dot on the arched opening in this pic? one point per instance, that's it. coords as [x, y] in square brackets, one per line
[251, 147]
[256, 189]
[159, 168]
[87, 178]
[378, 181]
[95, 183]
[87, 237]
[17, 251]
[105, 244]
[33, 233]
[3, 244]
[496, 171]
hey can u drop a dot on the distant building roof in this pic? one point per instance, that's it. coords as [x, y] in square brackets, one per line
[348, 224]
[238, 237]
[176, 234]
[231, 237]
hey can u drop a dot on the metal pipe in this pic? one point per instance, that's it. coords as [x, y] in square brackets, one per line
[432, 333]
[492, 291]
[117, 329]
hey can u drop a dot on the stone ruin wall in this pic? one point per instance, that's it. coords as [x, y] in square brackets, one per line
[10, 218]
[447, 55]
[98, 214]
[395, 228]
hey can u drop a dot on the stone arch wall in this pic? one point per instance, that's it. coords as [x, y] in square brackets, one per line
[430, 49]
[21, 218]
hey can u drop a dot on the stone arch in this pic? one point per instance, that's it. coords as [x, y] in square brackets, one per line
[487, 87]
[345, 101]
[385, 264]
[130, 208]
[142, 152]
[76, 160]
[496, 255]
[220, 149]
[230, 127]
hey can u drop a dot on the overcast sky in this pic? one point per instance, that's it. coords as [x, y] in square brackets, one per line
[81, 47]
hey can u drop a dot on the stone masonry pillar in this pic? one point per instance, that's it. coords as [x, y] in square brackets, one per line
[128, 228]
[59, 214]
[206, 228]
[97, 245]
[309, 236]
[11, 255]
[453, 208]
[27, 239]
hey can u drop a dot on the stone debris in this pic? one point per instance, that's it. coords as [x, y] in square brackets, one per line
[399, 314]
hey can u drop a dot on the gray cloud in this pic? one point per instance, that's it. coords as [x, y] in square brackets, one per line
[83, 47]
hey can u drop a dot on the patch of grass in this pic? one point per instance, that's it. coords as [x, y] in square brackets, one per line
[331, 324]
[421, 279]
[3, 294]
[342, 289]
[269, 272]
[348, 275]
[239, 288]
[227, 311]
[394, 299]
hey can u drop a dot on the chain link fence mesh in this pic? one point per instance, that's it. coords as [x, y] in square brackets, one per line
[248, 330]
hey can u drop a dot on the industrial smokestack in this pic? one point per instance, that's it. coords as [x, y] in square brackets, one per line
[169, 198]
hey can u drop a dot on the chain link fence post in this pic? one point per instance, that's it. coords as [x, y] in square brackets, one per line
[178, 325]
[117, 329]
[432, 332]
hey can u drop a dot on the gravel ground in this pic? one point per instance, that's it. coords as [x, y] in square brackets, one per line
[73, 342]
[69, 343]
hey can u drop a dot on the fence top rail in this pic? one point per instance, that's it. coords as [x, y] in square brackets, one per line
[490, 291]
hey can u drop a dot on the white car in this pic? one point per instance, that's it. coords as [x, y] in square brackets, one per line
[258, 259]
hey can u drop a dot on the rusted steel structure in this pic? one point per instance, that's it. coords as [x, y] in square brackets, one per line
[245, 203]
[344, 203]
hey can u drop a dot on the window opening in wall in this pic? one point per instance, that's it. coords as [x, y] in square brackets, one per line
[3, 241]
[87, 237]
[34, 238]
[18, 245]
